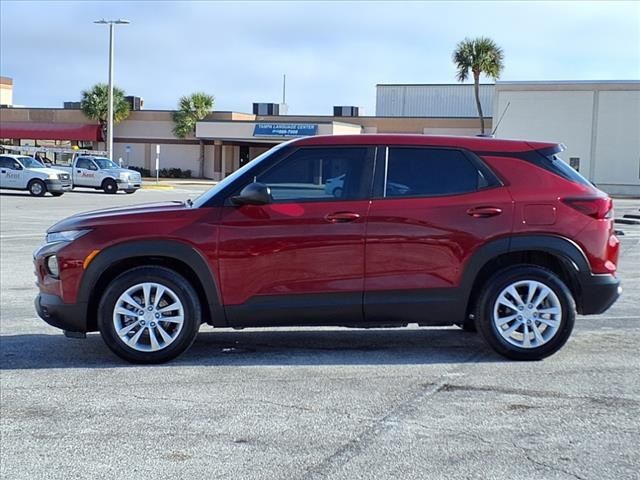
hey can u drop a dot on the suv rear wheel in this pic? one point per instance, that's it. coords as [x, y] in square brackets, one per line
[525, 312]
[149, 315]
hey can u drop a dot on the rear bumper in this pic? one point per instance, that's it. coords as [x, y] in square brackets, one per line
[68, 317]
[598, 293]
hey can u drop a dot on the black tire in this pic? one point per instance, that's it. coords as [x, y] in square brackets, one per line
[37, 188]
[167, 278]
[57, 194]
[110, 186]
[485, 312]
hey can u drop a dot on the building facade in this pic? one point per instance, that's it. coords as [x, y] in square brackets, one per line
[599, 122]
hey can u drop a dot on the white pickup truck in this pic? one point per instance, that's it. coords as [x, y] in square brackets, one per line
[19, 172]
[102, 174]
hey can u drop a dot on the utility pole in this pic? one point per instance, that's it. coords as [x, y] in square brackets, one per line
[111, 23]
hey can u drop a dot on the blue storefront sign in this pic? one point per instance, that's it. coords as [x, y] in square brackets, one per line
[284, 129]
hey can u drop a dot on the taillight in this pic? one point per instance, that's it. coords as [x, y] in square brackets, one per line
[599, 208]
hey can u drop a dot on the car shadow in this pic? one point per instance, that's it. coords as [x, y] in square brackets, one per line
[19, 193]
[262, 347]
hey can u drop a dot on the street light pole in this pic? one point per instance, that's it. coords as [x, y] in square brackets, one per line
[111, 23]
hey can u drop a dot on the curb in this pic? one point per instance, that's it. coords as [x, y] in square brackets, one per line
[157, 187]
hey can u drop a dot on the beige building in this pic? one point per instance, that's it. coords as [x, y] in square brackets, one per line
[6, 91]
[599, 122]
[230, 138]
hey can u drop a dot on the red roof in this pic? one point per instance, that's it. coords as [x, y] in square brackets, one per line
[50, 131]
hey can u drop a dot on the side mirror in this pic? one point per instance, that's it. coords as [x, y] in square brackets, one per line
[253, 194]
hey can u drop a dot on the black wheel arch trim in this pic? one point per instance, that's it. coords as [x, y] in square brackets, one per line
[172, 249]
[562, 248]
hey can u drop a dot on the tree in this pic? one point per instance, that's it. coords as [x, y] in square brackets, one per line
[192, 109]
[95, 105]
[478, 56]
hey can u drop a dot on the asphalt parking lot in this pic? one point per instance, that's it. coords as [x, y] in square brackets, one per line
[309, 403]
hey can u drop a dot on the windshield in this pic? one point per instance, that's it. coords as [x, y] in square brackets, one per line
[204, 198]
[105, 163]
[30, 162]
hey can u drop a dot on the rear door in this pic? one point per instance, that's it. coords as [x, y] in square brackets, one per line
[432, 209]
[299, 259]
[85, 173]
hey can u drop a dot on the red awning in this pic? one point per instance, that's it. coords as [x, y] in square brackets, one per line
[50, 131]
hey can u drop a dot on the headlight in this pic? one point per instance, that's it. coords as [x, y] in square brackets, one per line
[66, 236]
[53, 176]
[52, 266]
[124, 176]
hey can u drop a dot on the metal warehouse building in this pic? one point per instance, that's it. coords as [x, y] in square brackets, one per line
[599, 122]
[429, 100]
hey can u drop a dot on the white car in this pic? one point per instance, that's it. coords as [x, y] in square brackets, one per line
[101, 173]
[19, 172]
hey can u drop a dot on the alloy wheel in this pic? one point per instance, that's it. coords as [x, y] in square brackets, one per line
[148, 317]
[527, 314]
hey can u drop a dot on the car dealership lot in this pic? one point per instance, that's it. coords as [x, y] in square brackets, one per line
[309, 403]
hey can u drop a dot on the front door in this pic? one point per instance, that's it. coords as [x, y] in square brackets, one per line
[11, 173]
[302, 254]
[432, 210]
[86, 173]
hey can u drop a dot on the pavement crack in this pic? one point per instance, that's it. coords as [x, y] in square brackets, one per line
[527, 455]
[360, 442]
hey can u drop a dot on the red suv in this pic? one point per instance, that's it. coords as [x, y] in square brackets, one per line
[351, 230]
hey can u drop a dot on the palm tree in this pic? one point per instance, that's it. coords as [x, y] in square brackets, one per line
[95, 105]
[479, 56]
[191, 109]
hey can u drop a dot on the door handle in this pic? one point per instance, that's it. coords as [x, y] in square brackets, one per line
[342, 217]
[4, 171]
[484, 212]
[78, 171]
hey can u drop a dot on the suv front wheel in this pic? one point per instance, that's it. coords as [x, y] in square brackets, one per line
[525, 312]
[149, 315]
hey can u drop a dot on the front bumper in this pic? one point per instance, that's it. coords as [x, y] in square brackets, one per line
[57, 186]
[598, 293]
[68, 317]
[128, 185]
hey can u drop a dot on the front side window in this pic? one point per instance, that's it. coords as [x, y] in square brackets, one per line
[84, 163]
[418, 172]
[6, 162]
[10, 163]
[320, 173]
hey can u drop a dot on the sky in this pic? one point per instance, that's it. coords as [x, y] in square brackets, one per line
[333, 53]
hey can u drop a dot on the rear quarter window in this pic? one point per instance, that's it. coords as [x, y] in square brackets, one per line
[555, 164]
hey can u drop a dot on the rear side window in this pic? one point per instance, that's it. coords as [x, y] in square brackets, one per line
[429, 172]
